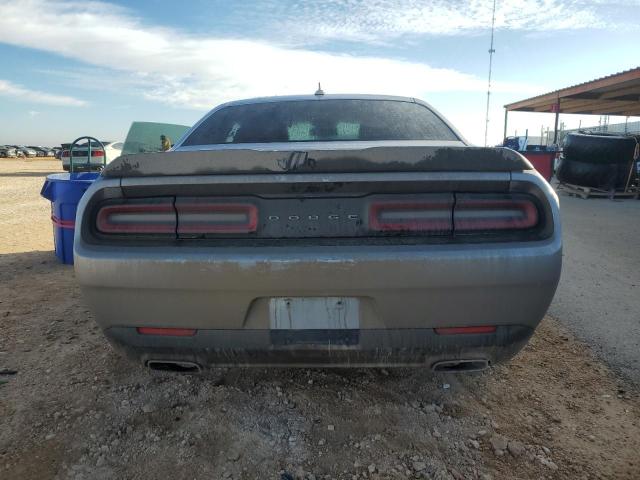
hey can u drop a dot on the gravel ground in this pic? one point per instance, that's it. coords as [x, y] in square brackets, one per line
[71, 407]
[599, 293]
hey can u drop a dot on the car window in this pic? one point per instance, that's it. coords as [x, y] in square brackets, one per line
[320, 121]
[144, 137]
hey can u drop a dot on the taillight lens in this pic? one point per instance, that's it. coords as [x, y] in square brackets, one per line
[65, 153]
[142, 217]
[208, 216]
[474, 213]
[432, 216]
[97, 153]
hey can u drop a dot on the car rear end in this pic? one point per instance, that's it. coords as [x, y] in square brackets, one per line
[28, 152]
[8, 152]
[333, 254]
[37, 150]
[84, 158]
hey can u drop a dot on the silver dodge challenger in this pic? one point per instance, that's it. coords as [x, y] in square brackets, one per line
[321, 230]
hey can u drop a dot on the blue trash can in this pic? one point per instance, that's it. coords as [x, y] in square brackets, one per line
[64, 191]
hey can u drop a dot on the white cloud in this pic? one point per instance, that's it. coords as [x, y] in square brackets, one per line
[186, 70]
[380, 20]
[9, 89]
[123, 53]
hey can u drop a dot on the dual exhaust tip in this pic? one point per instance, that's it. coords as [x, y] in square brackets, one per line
[174, 366]
[444, 366]
[460, 366]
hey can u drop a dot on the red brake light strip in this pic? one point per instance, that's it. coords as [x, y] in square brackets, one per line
[466, 330]
[247, 211]
[494, 214]
[167, 224]
[428, 216]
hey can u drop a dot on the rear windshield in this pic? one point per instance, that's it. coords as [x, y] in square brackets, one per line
[320, 121]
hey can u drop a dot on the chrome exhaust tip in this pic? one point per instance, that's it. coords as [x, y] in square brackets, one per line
[174, 366]
[458, 366]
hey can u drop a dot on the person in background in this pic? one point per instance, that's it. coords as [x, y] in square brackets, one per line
[166, 143]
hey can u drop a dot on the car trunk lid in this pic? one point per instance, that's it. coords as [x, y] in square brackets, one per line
[433, 158]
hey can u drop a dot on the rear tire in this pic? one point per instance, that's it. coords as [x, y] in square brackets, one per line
[598, 149]
[598, 161]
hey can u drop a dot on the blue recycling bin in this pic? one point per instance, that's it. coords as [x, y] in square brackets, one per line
[64, 191]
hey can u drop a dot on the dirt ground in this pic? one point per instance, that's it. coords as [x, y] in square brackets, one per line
[71, 407]
[601, 279]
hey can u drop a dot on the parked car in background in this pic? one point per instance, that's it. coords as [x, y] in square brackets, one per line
[99, 156]
[40, 152]
[8, 152]
[344, 230]
[25, 151]
[113, 150]
[48, 152]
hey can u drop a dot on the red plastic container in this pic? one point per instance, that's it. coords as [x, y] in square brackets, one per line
[542, 162]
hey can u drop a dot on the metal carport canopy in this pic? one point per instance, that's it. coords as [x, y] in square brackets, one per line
[617, 94]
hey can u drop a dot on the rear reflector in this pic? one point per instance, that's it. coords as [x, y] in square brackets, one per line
[473, 213]
[410, 216]
[132, 218]
[167, 332]
[202, 216]
[465, 330]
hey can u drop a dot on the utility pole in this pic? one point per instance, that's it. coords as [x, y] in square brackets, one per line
[491, 52]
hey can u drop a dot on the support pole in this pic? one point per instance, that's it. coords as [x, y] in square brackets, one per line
[491, 52]
[504, 133]
[555, 126]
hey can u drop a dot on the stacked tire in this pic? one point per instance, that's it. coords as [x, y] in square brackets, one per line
[597, 161]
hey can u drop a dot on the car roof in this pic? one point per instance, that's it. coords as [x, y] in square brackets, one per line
[338, 96]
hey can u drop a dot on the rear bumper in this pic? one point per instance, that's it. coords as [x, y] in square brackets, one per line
[404, 293]
[419, 286]
[388, 347]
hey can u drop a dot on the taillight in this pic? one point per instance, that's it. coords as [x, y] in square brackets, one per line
[65, 153]
[97, 153]
[144, 217]
[207, 216]
[411, 216]
[473, 213]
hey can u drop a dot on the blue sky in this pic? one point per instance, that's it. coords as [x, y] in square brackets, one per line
[72, 68]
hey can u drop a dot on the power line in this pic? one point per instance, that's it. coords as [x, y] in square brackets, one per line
[491, 52]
